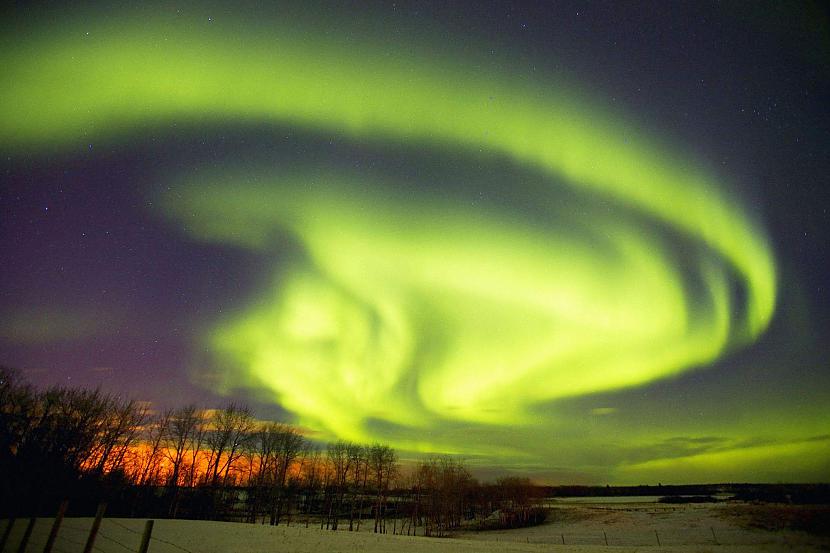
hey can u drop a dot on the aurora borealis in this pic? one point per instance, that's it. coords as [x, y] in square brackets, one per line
[379, 234]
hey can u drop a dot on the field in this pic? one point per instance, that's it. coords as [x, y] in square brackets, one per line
[583, 526]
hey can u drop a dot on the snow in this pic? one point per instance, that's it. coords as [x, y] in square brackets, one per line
[628, 527]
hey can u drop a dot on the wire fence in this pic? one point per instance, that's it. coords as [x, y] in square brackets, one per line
[112, 537]
[152, 538]
[118, 536]
[614, 537]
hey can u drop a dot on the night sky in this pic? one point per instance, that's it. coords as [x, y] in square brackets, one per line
[583, 242]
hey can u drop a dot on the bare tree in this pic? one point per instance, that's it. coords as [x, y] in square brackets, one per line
[340, 461]
[182, 424]
[195, 448]
[231, 427]
[262, 449]
[311, 477]
[50, 439]
[440, 488]
[290, 444]
[383, 464]
[120, 430]
[154, 435]
[360, 473]
[517, 502]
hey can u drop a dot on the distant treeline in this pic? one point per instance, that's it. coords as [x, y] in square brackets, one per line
[772, 493]
[223, 464]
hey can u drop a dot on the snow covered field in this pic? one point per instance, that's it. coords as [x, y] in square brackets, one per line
[628, 527]
[643, 526]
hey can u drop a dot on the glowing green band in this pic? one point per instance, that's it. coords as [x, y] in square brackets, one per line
[408, 307]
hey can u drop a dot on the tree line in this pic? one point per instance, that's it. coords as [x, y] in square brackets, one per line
[188, 462]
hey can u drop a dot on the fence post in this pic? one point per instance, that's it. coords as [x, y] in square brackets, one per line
[26, 535]
[6, 533]
[93, 532]
[53, 533]
[658, 538]
[145, 537]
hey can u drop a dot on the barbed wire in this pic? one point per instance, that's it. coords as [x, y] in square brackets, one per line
[124, 526]
[34, 543]
[70, 540]
[106, 537]
[665, 537]
[171, 543]
[70, 527]
[81, 530]
[151, 537]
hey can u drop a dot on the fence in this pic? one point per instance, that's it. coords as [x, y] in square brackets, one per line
[100, 535]
[632, 537]
[75, 535]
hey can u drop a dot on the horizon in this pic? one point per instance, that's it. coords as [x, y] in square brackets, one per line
[580, 244]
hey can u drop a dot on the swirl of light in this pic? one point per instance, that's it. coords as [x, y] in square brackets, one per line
[410, 311]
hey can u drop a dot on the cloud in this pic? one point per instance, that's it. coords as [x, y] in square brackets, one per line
[102, 369]
[723, 460]
[36, 325]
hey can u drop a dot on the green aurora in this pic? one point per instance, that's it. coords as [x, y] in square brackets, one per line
[417, 318]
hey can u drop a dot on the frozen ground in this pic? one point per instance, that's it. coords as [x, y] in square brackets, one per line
[629, 527]
[641, 526]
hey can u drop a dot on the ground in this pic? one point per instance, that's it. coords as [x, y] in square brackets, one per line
[584, 527]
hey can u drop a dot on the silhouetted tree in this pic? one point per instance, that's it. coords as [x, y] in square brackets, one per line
[383, 466]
